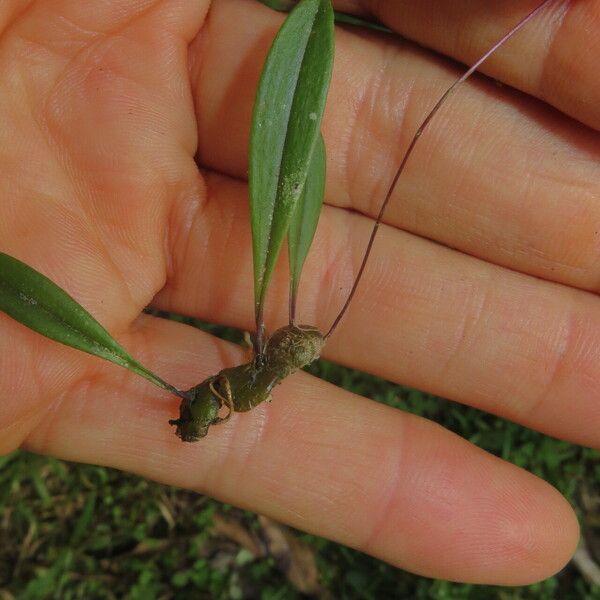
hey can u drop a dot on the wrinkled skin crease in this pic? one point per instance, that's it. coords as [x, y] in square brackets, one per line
[241, 388]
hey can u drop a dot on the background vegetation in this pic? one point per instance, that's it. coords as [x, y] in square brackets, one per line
[76, 531]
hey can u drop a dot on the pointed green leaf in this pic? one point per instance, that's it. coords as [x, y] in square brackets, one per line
[35, 301]
[287, 117]
[305, 218]
[340, 17]
[346, 19]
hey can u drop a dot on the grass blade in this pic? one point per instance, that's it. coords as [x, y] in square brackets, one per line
[304, 220]
[35, 301]
[285, 126]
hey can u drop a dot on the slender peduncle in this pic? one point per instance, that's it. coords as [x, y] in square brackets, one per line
[411, 147]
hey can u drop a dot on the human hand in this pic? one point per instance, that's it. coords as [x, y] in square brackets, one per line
[101, 193]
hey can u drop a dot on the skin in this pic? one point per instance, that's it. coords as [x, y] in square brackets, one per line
[482, 287]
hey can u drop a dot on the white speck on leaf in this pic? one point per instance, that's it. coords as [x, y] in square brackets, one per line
[290, 189]
[27, 299]
[312, 116]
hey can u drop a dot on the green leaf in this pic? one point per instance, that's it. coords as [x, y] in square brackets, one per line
[285, 126]
[340, 17]
[304, 220]
[346, 19]
[35, 301]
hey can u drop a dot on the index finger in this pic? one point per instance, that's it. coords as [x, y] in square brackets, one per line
[322, 460]
[556, 61]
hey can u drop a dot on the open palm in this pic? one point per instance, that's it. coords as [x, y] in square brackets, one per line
[107, 108]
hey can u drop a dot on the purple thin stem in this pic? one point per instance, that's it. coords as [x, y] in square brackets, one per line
[411, 147]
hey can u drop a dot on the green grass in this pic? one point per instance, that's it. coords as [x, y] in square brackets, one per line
[77, 531]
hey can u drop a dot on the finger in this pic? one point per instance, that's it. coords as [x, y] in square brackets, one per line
[325, 461]
[424, 315]
[498, 176]
[553, 61]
